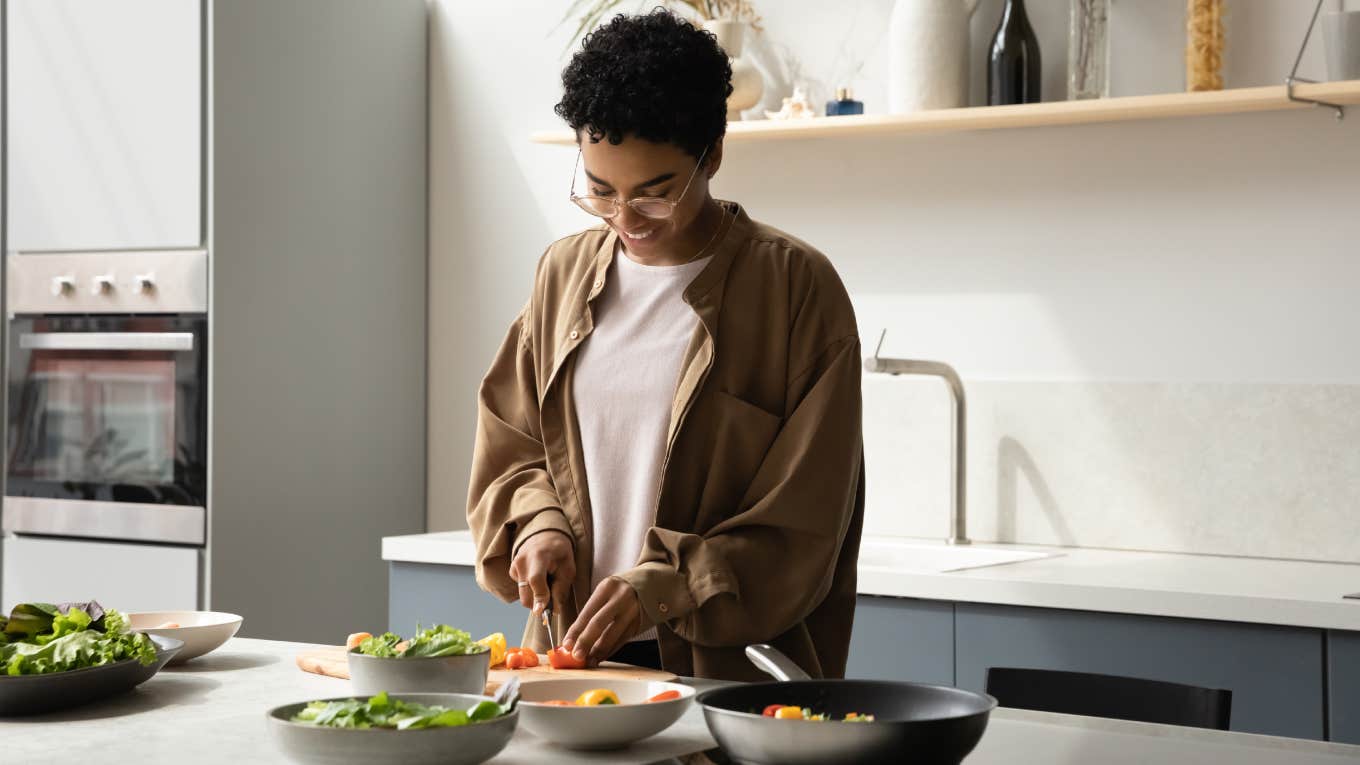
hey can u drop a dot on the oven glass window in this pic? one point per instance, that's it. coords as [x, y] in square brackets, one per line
[108, 408]
[97, 418]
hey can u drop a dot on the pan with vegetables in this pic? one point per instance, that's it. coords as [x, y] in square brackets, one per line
[800, 721]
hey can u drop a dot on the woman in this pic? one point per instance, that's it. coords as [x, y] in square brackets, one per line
[668, 447]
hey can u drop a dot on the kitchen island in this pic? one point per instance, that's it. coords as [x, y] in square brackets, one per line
[213, 710]
[1277, 633]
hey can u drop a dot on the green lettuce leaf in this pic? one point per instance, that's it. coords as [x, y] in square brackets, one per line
[381, 711]
[384, 645]
[70, 640]
[442, 640]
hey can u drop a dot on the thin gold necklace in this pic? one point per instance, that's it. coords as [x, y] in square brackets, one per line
[722, 218]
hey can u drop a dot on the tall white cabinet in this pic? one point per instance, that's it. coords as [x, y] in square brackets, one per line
[105, 107]
[288, 139]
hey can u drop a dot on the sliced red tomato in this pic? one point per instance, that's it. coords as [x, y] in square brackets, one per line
[560, 659]
[771, 709]
[665, 696]
[520, 658]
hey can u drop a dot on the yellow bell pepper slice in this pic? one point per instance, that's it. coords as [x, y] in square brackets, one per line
[496, 643]
[595, 697]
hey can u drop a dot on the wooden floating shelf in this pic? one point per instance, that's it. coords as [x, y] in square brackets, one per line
[1163, 106]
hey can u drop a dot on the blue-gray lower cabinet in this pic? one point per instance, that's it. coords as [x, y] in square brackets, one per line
[1274, 672]
[902, 639]
[426, 593]
[1343, 685]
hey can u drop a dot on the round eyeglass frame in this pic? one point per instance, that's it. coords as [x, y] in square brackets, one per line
[655, 208]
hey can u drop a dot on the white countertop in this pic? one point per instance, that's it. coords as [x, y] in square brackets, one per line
[212, 710]
[1252, 590]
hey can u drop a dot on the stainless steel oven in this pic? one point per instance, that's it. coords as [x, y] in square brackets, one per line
[107, 396]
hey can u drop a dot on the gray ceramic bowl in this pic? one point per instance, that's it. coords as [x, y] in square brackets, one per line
[34, 694]
[441, 674]
[466, 745]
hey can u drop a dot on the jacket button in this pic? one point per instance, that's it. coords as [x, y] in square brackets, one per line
[663, 608]
[598, 284]
[574, 334]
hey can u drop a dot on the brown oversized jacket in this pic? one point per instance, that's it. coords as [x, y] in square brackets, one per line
[757, 523]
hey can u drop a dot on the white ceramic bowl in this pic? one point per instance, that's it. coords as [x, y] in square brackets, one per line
[600, 727]
[201, 631]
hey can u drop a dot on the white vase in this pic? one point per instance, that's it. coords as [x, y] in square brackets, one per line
[928, 54]
[747, 84]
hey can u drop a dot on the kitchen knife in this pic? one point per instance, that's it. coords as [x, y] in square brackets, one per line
[547, 615]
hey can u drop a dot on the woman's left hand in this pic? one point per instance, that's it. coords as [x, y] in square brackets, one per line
[611, 616]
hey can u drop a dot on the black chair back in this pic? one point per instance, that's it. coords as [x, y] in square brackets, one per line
[1122, 698]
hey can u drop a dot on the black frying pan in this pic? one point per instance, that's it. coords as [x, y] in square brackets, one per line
[914, 722]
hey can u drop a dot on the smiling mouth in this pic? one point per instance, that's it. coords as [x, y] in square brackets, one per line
[639, 236]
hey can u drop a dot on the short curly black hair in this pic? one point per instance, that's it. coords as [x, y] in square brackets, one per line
[653, 75]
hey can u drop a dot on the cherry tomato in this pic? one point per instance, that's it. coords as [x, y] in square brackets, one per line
[665, 696]
[789, 713]
[560, 659]
[771, 709]
[520, 658]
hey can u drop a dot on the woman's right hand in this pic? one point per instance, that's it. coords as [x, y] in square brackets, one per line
[543, 554]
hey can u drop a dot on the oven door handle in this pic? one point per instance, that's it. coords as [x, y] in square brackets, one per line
[107, 341]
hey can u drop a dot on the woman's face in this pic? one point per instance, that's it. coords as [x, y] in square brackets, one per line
[641, 168]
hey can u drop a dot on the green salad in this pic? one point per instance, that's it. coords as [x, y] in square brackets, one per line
[41, 638]
[440, 640]
[382, 711]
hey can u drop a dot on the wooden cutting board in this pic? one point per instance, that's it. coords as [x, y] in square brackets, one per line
[331, 662]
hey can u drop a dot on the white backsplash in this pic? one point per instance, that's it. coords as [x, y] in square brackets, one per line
[1222, 468]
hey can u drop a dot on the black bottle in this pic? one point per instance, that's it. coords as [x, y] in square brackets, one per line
[1013, 69]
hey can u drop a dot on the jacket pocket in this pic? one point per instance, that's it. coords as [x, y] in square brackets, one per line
[742, 434]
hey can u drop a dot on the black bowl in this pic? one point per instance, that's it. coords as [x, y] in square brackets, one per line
[36, 694]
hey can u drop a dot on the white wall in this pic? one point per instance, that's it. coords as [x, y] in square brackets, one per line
[1156, 320]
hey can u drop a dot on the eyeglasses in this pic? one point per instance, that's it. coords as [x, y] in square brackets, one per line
[647, 207]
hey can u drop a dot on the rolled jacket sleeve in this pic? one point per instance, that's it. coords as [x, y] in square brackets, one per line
[764, 569]
[511, 495]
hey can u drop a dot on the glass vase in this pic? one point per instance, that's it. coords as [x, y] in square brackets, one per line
[1088, 50]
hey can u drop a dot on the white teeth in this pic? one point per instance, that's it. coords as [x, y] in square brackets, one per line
[643, 235]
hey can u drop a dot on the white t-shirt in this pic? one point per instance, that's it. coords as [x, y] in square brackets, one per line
[623, 385]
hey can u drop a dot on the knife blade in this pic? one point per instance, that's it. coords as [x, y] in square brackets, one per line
[547, 615]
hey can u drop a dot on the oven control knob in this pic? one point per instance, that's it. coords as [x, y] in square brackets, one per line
[103, 285]
[146, 283]
[63, 285]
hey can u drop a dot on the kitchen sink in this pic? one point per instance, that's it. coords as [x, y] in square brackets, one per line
[939, 558]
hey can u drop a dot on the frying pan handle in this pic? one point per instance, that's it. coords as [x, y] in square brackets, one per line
[769, 660]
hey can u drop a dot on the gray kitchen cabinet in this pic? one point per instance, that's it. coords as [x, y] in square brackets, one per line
[1274, 672]
[105, 134]
[1343, 686]
[425, 593]
[902, 639]
[318, 166]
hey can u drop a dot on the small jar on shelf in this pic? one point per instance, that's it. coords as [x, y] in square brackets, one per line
[843, 104]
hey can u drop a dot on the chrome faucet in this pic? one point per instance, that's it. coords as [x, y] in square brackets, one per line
[958, 518]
